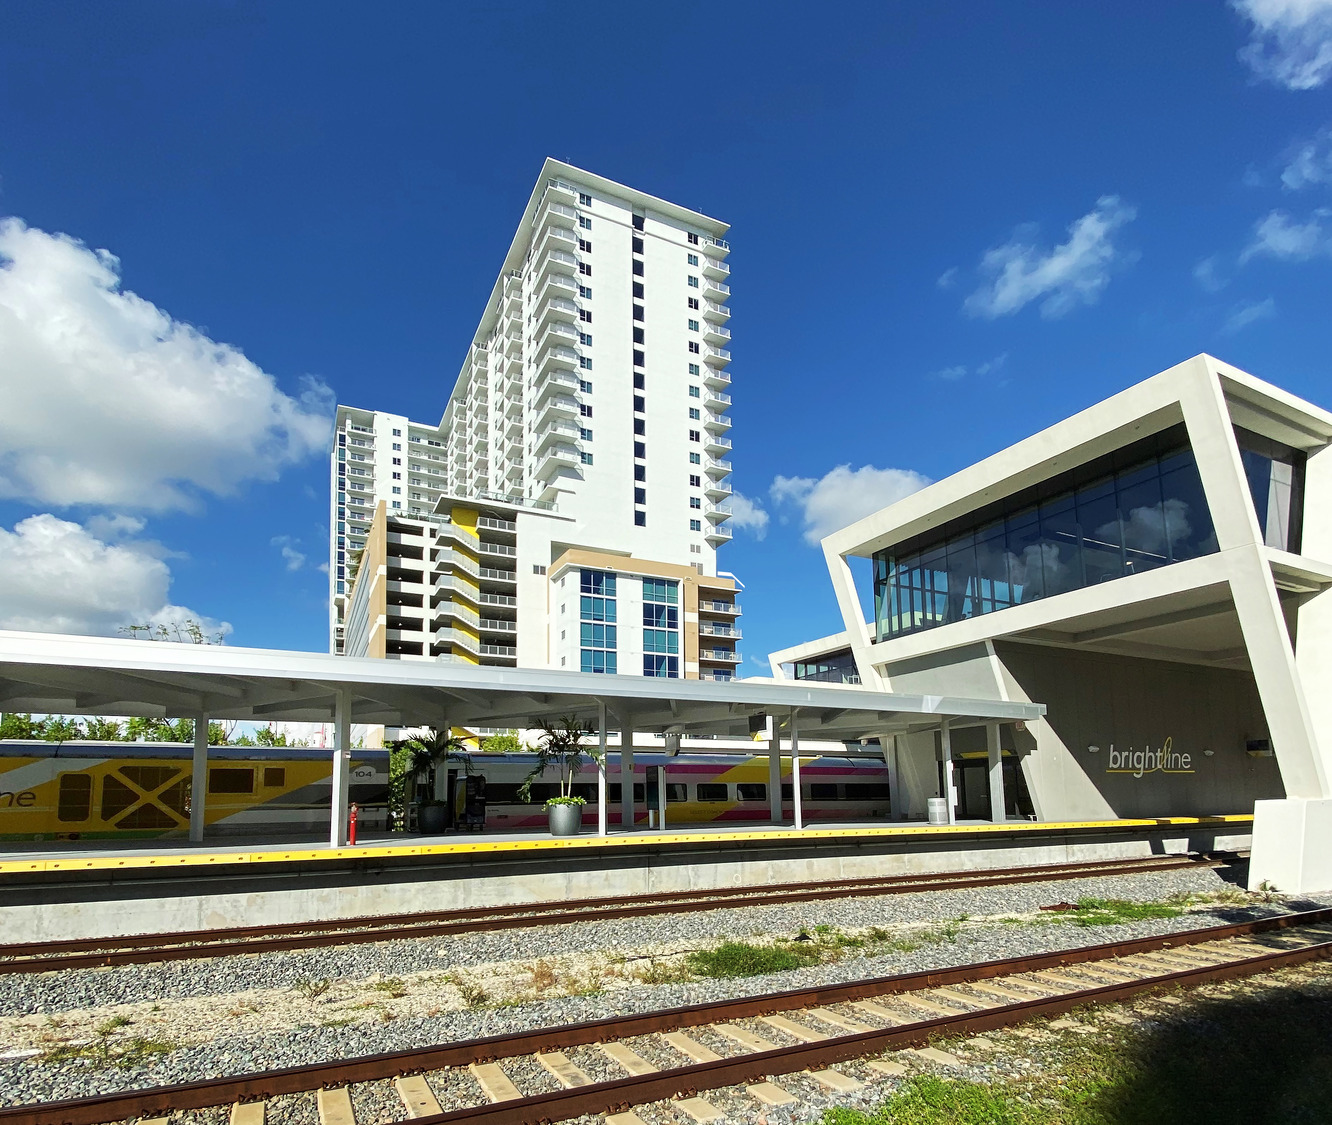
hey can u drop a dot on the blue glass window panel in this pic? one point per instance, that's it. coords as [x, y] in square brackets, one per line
[596, 609]
[597, 582]
[660, 616]
[597, 636]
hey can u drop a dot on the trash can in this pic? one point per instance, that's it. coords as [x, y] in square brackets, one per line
[938, 810]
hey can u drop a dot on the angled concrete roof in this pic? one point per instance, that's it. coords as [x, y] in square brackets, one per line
[60, 674]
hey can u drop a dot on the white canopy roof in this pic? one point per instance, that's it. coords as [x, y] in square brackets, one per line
[54, 673]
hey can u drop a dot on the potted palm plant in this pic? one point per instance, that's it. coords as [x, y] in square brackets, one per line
[425, 753]
[561, 746]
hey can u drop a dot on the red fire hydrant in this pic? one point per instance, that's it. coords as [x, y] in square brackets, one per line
[351, 826]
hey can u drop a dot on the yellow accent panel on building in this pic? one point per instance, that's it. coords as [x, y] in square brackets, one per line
[466, 518]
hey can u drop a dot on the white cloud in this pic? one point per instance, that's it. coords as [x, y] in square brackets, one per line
[1206, 274]
[57, 577]
[747, 514]
[948, 278]
[1073, 273]
[286, 544]
[1290, 42]
[844, 495]
[1248, 312]
[961, 371]
[1310, 162]
[1277, 235]
[109, 401]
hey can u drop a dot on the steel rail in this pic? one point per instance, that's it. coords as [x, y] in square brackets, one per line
[101, 1108]
[43, 957]
[624, 1093]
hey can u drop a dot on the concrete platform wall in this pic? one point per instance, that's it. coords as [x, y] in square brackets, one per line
[133, 903]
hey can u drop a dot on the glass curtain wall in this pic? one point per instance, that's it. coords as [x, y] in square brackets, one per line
[1276, 482]
[1139, 508]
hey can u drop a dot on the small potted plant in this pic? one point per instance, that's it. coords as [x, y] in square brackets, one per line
[562, 746]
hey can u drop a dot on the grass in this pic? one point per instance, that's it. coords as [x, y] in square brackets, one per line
[1116, 911]
[927, 1100]
[1244, 1056]
[743, 959]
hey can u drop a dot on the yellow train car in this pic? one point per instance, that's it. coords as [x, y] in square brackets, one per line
[142, 790]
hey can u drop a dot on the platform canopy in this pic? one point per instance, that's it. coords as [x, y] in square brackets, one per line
[59, 674]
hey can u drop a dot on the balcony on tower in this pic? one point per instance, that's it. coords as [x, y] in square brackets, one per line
[716, 333]
[714, 290]
[715, 357]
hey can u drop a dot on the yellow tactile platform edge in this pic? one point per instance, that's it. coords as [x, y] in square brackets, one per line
[646, 839]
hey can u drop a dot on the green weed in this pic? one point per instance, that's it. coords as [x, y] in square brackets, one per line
[742, 959]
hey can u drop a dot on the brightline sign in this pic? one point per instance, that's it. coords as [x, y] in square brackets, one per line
[1142, 762]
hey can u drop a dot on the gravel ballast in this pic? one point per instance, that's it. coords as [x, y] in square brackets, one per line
[49, 995]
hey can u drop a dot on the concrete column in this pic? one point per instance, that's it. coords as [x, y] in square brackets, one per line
[995, 754]
[199, 779]
[661, 798]
[626, 773]
[337, 829]
[796, 806]
[601, 769]
[775, 773]
[896, 805]
[946, 756]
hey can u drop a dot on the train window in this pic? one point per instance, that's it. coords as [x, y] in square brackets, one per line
[148, 778]
[116, 797]
[640, 792]
[822, 791]
[587, 792]
[676, 791]
[275, 777]
[230, 780]
[788, 793]
[613, 793]
[752, 791]
[500, 793]
[75, 799]
[711, 791]
[866, 792]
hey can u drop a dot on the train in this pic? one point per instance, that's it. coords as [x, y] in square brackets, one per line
[89, 790]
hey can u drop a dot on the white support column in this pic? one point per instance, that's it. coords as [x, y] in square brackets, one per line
[199, 779]
[888, 743]
[946, 756]
[626, 773]
[775, 772]
[601, 769]
[661, 797]
[995, 754]
[337, 829]
[796, 805]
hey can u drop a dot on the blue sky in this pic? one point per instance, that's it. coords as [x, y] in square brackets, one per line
[952, 224]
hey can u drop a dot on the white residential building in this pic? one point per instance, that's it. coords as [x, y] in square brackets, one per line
[589, 421]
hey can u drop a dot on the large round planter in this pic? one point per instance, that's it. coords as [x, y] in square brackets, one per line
[431, 820]
[565, 820]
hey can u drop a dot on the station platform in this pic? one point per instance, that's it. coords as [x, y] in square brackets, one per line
[88, 889]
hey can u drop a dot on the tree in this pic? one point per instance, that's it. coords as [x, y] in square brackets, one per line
[104, 730]
[188, 631]
[147, 729]
[561, 746]
[270, 736]
[57, 728]
[14, 725]
[411, 759]
[506, 743]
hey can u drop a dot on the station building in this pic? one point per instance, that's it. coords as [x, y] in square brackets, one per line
[1155, 570]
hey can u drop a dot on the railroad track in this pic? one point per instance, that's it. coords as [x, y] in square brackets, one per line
[53, 956]
[742, 1042]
